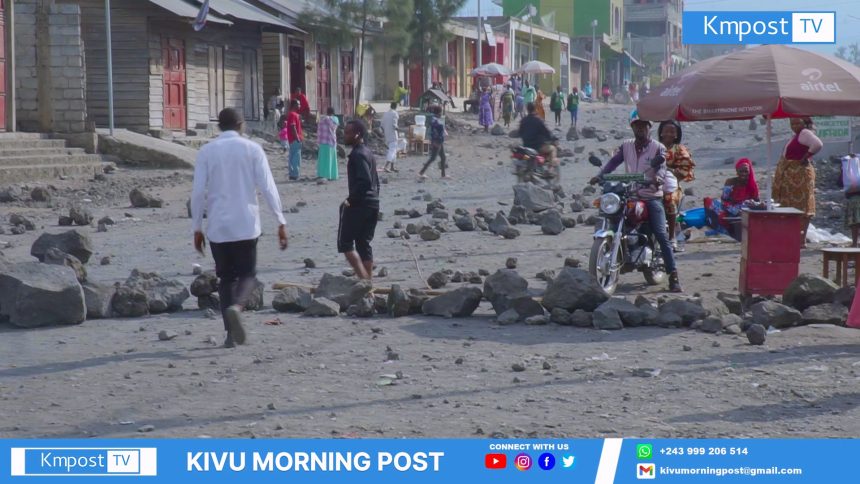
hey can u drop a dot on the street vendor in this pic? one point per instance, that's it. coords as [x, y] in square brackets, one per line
[794, 180]
[737, 192]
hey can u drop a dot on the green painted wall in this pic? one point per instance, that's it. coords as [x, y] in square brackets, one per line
[564, 14]
[511, 8]
[588, 10]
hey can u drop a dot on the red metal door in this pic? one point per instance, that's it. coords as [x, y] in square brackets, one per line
[2, 65]
[347, 86]
[173, 54]
[323, 78]
[297, 66]
[416, 83]
[452, 61]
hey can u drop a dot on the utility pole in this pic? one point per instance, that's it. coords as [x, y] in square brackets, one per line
[594, 60]
[109, 66]
[479, 46]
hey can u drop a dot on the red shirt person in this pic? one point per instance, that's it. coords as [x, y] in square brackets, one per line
[304, 105]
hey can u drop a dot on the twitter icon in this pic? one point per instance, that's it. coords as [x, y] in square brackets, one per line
[567, 461]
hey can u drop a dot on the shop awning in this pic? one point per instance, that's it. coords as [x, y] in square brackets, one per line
[186, 10]
[633, 59]
[241, 10]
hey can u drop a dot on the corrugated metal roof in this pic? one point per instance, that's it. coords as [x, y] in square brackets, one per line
[241, 10]
[186, 10]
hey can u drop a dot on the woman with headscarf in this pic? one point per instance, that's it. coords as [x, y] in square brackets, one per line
[507, 105]
[794, 180]
[680, 163]
[736, 192]
[327, 139]
[485, 116]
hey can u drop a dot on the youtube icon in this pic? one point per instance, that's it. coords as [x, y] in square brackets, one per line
[495, 461]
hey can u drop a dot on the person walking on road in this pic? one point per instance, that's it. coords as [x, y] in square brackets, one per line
[556, 104]
[228, 173]
[437, 144]
[486, 109]
[327, 138]
[573, 106]
[360, 211]
[390, 122]
[293, 126]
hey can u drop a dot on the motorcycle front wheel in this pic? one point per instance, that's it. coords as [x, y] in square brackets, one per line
[600, 264]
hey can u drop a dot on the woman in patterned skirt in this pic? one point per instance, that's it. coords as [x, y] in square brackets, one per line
[680, 163]
[794, 180]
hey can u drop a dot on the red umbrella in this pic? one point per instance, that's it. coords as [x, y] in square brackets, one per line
[775, 81]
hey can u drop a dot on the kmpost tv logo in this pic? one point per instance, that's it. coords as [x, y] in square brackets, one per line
[83, 461]
[702, 27]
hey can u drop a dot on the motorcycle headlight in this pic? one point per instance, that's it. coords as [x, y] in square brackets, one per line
[610, 203]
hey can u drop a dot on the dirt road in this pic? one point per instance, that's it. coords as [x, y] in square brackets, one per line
[325, 377]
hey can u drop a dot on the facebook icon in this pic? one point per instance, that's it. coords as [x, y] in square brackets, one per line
[546, 461]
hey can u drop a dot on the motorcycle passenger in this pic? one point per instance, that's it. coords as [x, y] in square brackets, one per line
[536, 136]
[637, 155]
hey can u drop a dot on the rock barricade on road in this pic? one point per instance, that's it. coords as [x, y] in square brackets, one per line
[34, 295]
[458, 303]
[71, 242]
[574, 289]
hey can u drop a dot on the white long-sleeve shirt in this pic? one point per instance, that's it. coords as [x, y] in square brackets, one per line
[227, 175]
[389, 126]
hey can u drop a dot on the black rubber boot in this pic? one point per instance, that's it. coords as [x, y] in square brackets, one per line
[674, 283]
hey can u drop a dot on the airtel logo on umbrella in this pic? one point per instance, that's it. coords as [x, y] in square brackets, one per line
[813, 75]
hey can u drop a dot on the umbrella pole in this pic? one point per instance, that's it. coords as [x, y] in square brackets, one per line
[768, 176]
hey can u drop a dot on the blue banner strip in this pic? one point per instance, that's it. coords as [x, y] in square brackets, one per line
[715, 27]
[431, 460]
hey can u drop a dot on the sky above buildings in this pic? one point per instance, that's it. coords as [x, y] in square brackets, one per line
[847, 13]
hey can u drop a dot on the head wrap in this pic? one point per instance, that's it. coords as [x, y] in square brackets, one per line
[677, 126]
[752, 186]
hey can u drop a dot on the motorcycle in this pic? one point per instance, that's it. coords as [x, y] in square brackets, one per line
[624, 242]
[531, 167]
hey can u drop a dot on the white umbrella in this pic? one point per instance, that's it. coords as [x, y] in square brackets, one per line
[491, 69]
[536, 67]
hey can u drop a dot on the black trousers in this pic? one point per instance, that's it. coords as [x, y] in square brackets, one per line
[436, 149]
[236, 268]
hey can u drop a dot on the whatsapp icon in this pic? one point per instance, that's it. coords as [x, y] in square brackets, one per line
[643, 451]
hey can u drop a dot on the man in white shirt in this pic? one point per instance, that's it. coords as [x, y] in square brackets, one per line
[389, 127]
[227, 175]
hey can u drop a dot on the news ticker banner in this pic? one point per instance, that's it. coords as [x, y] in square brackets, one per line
[750, 27]
[433, 460]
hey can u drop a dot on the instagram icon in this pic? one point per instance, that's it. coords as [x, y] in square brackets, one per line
[523, 462]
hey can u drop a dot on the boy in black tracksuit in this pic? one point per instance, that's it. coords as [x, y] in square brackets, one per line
[360, 211]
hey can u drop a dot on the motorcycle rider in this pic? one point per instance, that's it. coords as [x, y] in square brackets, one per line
[645, 155]
[536, 136]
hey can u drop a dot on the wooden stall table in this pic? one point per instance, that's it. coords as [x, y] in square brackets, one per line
[770, 258]
[840, 255]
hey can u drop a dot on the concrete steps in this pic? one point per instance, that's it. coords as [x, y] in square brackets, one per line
[55, 159]
[29, 144]
[26, 174]
[26, 157]
[40, 152]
